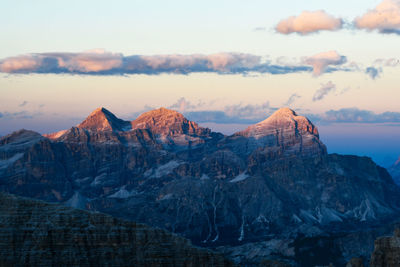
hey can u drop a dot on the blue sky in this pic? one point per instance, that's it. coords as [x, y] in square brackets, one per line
[59, 60]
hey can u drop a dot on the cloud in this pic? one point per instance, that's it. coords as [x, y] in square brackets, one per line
[323, 91]
[373, 72]
[390, 62]
[19, 115]
[100, 62]
[217, 116]
[260, 29]
[237, 113]
[309, 22]
[355, 115]
[23, 104]
[321, 61]
[385, 18]
[292, 99]
[182, 105]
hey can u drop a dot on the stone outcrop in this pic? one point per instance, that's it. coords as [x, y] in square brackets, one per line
[387, 251]
[275, 180]
[35, 233]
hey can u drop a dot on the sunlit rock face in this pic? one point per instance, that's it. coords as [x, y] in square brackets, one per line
[274, 179]
[284, 133]
[35, 233]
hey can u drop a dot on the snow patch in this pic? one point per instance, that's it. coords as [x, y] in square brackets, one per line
[98, 180]
[241, 237]
[261, 219]
[307, 215]
[326, 215]
[296, 219]
[123, 193]
[165, 169]
[7, 162]
[241, 177]
[204, 177]
[165, 197]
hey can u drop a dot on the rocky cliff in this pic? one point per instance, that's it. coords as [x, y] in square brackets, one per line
[387, 251]
[35, 233]
[272, 181]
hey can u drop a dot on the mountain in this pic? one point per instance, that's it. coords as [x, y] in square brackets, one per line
[273, 182]
[35, 233]
[103, 120]
[283, 133]
[395, 171]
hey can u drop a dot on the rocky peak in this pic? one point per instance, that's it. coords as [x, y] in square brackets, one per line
[283, 119]
[167, 122]
[283, 133]
[103, 120]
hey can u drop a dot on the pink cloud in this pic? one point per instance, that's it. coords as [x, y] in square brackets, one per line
[19, 63]
[321, 61]
[309, 22]
[89, 61]
[385, 18]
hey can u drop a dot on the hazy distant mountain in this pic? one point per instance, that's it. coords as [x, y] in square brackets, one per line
[395, 171]
[272, 181]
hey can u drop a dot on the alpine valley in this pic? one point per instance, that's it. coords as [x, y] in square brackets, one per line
[270, 192]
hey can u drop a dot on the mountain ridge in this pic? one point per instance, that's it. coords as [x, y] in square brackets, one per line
[214, 189]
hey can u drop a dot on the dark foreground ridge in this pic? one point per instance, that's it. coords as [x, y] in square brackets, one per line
[35, 233]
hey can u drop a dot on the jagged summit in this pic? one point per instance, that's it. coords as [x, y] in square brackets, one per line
[283, 133]
[103, 120]
[284, 119]
[167, 122]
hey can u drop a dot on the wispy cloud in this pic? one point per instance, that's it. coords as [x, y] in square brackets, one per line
[292, 99]
[24, 103]
[24, 114]
[309, 22]
[388, 62]
[324, 91]
[320, 62]
[373, 72]
[355, 115]
[385, 18]
[182, 105]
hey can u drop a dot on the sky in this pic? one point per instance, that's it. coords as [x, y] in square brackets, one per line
[224, 64]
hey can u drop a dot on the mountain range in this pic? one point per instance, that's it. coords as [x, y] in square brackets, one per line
[271, 186]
